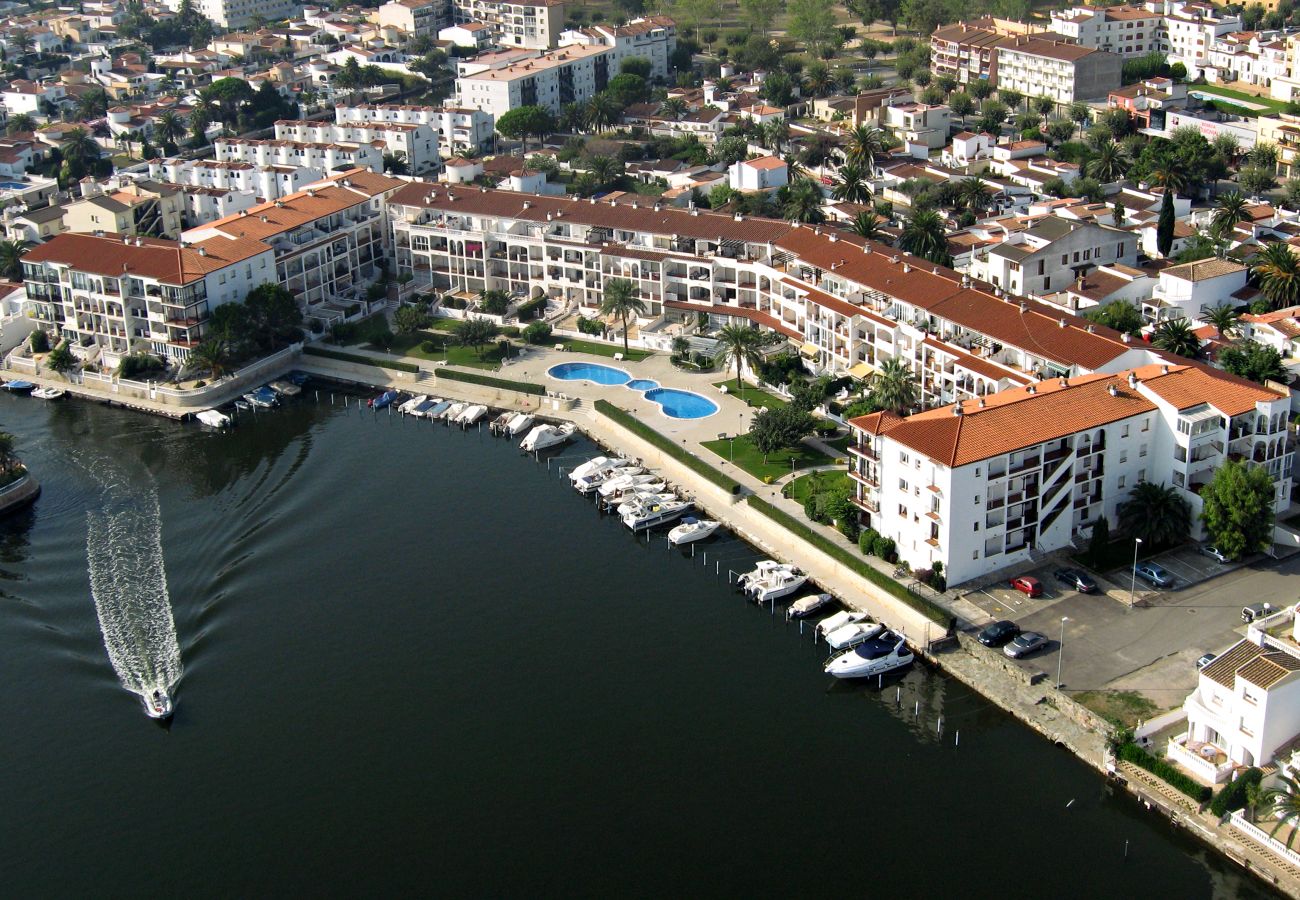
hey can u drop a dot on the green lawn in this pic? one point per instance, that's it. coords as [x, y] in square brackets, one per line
[753, 396]
[778, 464]
[609, 350]
[1269, 104]
[799, 489]
[439, 323]
[455, 354]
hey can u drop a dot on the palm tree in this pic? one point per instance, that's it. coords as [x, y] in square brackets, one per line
[92, 103]
[673, 108]
[602, 110]
[817, 79]
[850, 185]
[22, 42]
[775, 133]
[213, 355]
[1177, 336]
[740, 346]
[11, 259]
[865, 144]
[603, 168]
[169, 128]
[1109, 163]
[1229, 209]
[20, 123]
[1283, 804]
[1169, 175]
[973, 193]
[802, 201]
[1156, 513]
[621, 299]
[79, 147]
[573, 117]
[924, 237]
[1278, 272]
[1223, 317]
[893, 387]
[867, 224]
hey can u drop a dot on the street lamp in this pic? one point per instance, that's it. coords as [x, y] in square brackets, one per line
[1132, 582]
[1060, 652]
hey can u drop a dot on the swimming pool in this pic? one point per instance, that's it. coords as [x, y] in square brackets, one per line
[682, 404]
[593, 372]
[13, 186]
[642, 384]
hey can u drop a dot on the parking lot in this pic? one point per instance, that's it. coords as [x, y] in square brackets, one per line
[1001, 601]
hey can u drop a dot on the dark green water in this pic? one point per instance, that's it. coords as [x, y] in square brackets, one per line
[417, 663]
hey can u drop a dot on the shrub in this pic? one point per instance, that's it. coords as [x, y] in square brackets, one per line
[923, 575]
[430, 346]
[1233, 795]
[887, 550]
[531, 310]
[40, 341]
[510, 331]
[825, 427]
[396, 365]
[537, 333]
[138, 364]
[590, 326]
[867, 541]
[200, 383]
[523, 387]
[1131, 752]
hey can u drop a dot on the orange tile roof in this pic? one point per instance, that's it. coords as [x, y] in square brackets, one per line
[166, 261]
[300, 208]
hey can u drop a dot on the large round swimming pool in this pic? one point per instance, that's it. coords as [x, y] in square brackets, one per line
[593, 372]
[682, 404]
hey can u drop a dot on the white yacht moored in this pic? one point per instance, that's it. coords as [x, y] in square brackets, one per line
[869, 658]
[213, 419]
[595, 468]
[806, 606]
[409, 406]
[544, 437]
[761, 570]
[839, 620]
[639, 497]
[777, 584]
[453, 412]
[471, 414]
[49, 393]
[852, 634]
[692, 529]
[518, 424]
[623, 479]
[651, 513]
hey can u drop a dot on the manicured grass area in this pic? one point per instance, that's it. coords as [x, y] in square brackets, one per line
[778, 464]
[799, 489]
[576, 346]
[752, 396]
[1269, 104]
[1122, 708]
[445, 348]
[440, 324]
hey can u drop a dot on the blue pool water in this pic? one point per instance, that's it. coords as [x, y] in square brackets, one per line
[13, 186]
[592, 372]
[682, 404]
[642, 384]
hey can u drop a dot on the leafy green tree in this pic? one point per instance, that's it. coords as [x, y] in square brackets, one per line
[274, 314]
[1099, 542]
[1256, 180]
[1165, 224]
[229, 95]
[779, 428]
[924, 236]
[961, 104]
[1177, 336]
[980, 90]
[778, 89]
[628, 88]
[621, 299]
[395, 163]
[1252, 360]
[1238, 509]
[409, 319]
[523, 122]
[61, 359]
[636, 65]
[740, 347]
[812, 22]
[731, 150]
[1121, 315]
[475, 332]
[8, 461]
[894, 387]
[1156, 513]
[759, 14]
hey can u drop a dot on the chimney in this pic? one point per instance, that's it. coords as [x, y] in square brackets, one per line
[203, 251]
[1113, 391]
[1065, 382]
[1132, 380]
[866, 248]
[956, 408]
[1024, 305]
[528, 205]
[981, 402]
[1060, 323]
[1031, 390]
[906, 268]
[1164, 370]
[1126, 337]
[834, 236]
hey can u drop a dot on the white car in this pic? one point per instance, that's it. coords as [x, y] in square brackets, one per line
[1214, 553]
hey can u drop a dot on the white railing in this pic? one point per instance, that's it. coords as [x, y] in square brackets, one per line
[1238, 821]
[1203, 769]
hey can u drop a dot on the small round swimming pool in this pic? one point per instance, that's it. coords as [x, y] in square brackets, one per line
[593, 372]
[682, 404]
[642, 384]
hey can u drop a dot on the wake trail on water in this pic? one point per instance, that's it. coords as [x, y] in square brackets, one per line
[128, 583]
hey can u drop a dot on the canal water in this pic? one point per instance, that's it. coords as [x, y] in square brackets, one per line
[416, 661]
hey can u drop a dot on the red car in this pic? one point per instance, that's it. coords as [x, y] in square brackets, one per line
[1027, 585]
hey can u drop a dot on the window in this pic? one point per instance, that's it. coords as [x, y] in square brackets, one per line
[1087, 254]
[1047, 282]
[1119, 249]
[1065, 259]
[1142, 450]
[902, 457]
[902, 511]
[1041, 264]
[977, 526]
[977, 499]
[1248, 695]
[902, 484]
[1146, 424]
[1142, 475]
[1076, 255]
[1123, 431]
[1122, 481]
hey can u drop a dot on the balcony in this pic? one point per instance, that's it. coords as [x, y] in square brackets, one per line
[1206, 761]
[869, 480]
[863, 450]
[871, 506]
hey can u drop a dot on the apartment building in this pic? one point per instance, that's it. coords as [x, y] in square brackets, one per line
[918, 124]
[110, 296]
[535, 24]
[460, 130]
[262, 182]
[985, 484]
[1191, 29]
[653, 38]
[326, 239]
[417, 143]
[137, 208]
[1064, 72]
[239, 13]
[1128, 31]
[1052, 255]
[966, 52]
[1185, 291]
[573, 74]
[327, 157]
[414, 18]
[478, 35]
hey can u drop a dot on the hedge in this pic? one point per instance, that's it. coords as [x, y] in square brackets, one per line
[523, 387]
[363, 360]
[1233, 796]
[1165, 771]
[847, 557]
[666, 445]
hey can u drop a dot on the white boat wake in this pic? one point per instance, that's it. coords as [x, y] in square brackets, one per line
[129, 586]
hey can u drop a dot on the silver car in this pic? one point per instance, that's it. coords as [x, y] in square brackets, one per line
[1214, 553]
[1025, 643]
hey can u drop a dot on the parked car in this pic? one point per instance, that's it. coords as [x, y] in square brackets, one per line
[1025, 643]
[1027, 585]
[1205, 660]
[998, 633]
[1076, 581]
[1214, 553]
[1154, 574]
[1255, 611]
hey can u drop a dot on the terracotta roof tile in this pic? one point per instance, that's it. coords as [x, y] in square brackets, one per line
[166, 261]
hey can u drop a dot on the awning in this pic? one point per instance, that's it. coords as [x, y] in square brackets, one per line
[862, 371]
[810, 350]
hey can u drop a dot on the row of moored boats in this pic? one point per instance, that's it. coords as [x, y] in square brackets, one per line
[18, 386]
[536, 436]
[641, 498]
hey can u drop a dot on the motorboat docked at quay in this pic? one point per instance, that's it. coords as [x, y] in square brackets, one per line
[438, 410]
[872, 657]
[18, 386]
[622, 479]
[544, 437]
[49, 393]
[498, 423]
[839, 620]
[158, 705]
[385, 400]
[421, 409]
[409, 406]
[691, 530]
[456, 408]
[761, 570]
[471, 414]
[213, 418]
[263, 397]
[519, 423]
[285, 388]
[852, 634]
[637, 497]
[777, 584]
[806, 606]
[595, 468]
[650, 513]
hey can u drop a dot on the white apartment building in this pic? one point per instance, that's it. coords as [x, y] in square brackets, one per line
[205, 204]
[1186, 291]
[262, 182]
[414, 18]
[239, 13]
[571, 75]
[1052, 255]
[417, 143]
[918, 124]
[766, 173]
[535, 24]
[1129, 31]
[478, 35]
[327, 157]
[1251, 57]
[460, 130]
[1191, 29]
[653, 38]
[1065, 72]
[985, 484]
[111, 296]
[327, 239]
